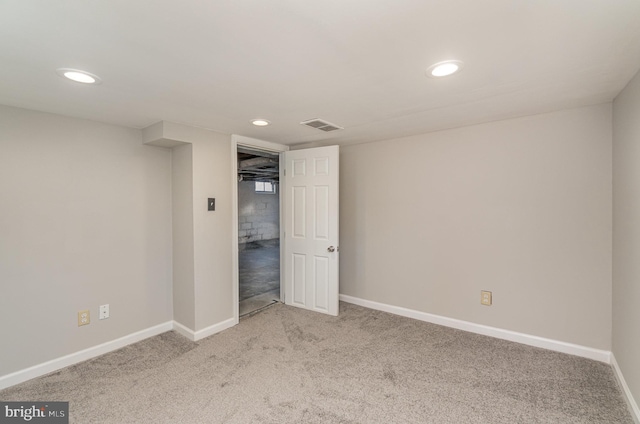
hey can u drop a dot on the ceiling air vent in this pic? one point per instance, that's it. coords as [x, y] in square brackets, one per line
[319, 124]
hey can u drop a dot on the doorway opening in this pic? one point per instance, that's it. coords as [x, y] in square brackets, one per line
[258, 229]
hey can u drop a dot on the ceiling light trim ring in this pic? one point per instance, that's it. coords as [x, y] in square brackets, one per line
[259, 122]
[445, 68]
[79, 76]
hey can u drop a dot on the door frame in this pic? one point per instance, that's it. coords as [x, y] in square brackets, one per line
[267, 146]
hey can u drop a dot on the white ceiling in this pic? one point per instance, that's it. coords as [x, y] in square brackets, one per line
[359, 64]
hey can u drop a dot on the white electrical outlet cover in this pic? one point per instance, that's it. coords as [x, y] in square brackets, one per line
[104, 311]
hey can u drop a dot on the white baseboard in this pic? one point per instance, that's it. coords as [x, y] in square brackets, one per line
[205, 332]
[83, 355]
[558, 346]
[631, 402]
[184, 331]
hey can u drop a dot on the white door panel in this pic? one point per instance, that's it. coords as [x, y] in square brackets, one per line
[311, 179]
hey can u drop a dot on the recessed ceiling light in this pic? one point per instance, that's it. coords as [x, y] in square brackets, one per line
[79, 76]
[260, 122]
[443, 69]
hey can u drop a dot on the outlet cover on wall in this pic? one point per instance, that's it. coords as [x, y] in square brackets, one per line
[104, 311]
[485, 298]
[84, 318]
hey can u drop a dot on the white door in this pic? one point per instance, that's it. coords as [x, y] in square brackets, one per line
[311, 229]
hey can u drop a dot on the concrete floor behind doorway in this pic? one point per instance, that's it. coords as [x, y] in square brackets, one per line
[259, 274]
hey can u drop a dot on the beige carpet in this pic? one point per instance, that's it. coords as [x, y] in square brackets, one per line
[286, 365]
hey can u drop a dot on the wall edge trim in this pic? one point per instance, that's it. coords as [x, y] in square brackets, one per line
[52, 365]
[628, 396]
[184, 331]
[513, 336]
[215, 328]
[194, 336]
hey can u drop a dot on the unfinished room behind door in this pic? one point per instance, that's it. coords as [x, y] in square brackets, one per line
[258, 230]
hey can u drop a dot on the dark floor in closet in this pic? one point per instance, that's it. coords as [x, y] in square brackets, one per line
[259, 272]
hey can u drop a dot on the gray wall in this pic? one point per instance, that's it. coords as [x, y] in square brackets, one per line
[203, 170]
[85, 220]
[182, 224]
[212, 177]
[258, 214]
[520, 207]
[626, 234]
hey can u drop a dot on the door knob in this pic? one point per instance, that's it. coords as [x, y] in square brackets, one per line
[331, 249]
